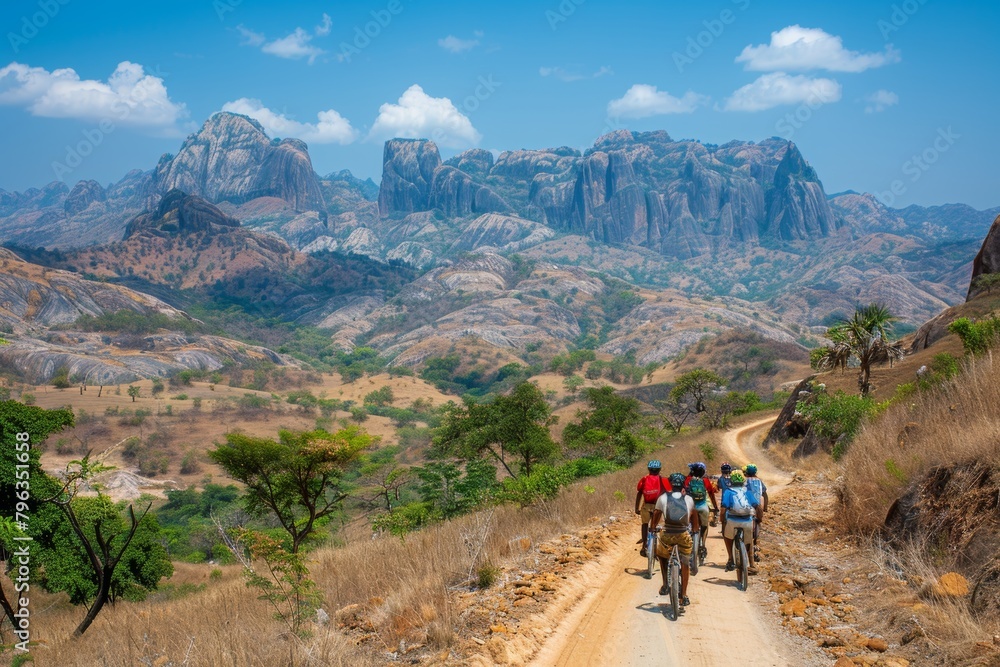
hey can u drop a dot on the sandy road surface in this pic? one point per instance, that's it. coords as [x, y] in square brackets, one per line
[624, 622]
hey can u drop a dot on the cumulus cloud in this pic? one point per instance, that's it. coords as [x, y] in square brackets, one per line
[643, 100]
[459, 45]
[778, 88]
[417, 115]
[330, 128]
[798, 49]
[570, 75]
[294, 46]
[880, 100]
[129, 96]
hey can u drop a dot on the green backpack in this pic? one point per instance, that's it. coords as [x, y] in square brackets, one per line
[696, 489]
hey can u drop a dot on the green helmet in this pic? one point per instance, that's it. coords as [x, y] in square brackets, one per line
[677, 481]
[737, 478]
[654, 465]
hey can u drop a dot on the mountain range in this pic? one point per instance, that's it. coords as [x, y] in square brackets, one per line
[740, 235]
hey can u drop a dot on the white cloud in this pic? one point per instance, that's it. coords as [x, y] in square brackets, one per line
[130, 96]
[323, 29]
[417, 115]
[331, 128]
[777, 88]
[564, 74]
[294, 46]
[798, 49]
[880, 100]
[457, 44]
[250, 38]
[643, 100]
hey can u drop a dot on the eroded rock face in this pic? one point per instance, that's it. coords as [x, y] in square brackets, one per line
[179, 214]
[988, 259]
[232, 159]
[501, 232]
[681, 199]
[83, 195]
[407, 172]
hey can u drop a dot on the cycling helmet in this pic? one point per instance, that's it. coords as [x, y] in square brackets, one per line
[677, 480]
[726, 468]
[654, 465]
[750, 469]
[737, 478]
[698, 469]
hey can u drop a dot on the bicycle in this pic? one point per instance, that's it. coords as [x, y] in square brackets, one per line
[673, 579]
[697, 557]
[651, 553]
[742, 560]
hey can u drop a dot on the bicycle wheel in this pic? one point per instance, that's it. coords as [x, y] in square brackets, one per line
[702, 549]
[675, 586]
[651, 554]
[695, 552]
[742, 568]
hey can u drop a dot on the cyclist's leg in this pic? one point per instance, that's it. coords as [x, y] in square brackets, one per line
[685, 546]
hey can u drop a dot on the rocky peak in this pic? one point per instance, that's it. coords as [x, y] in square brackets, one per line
[232, 159]
[83, 195]
[179, 214]
[988, 259]
[407, 172]
[475, 162]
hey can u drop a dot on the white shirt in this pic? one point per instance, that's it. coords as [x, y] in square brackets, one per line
[661, 504]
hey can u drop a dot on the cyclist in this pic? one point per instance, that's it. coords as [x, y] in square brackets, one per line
[701, 490]
[759, 489]
[723, 483]
[680, 518]
[741, 506]
[647, 491]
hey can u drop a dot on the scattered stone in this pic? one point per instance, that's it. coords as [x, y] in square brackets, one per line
[878, 644]
[950, 585]
[796, 607]
[843, 661]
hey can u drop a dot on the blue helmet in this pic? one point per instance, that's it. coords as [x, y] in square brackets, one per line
[654, 465]
[697, 469]
[677, 480]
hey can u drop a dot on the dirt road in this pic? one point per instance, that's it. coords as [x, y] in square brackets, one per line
[624, 622]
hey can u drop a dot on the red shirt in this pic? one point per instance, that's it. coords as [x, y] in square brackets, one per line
[650, 485]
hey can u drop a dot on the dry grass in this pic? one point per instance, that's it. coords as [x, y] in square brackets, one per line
[405, 589]
[955, 423]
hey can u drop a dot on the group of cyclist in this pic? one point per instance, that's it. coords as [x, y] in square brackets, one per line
[687, 506]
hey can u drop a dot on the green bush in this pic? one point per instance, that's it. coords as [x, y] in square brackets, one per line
[379, 397]
[838, 417]
[543, 483]
[487, 575]
[977, 336]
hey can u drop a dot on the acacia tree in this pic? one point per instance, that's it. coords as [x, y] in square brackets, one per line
[864, 337]
[695, 387]
[514, 425]
[298, 478]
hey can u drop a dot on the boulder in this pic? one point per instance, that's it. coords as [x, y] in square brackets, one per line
[988, 259]
[407, 172]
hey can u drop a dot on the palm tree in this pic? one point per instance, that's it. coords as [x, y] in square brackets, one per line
[865, 337]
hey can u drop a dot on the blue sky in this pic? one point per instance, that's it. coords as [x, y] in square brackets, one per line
[863, 88]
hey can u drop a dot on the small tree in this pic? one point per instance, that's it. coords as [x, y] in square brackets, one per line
[133, 391]
[298, 479]
[606, 428]
[514, 425]
[987, 281]
[865, 337]
[694, 387]
[572, 384]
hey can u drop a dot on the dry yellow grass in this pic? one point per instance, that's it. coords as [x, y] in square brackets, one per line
[405, 588]
[955, 423]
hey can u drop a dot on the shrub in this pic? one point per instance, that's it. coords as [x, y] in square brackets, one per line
[487, 575]
[190, 464]
[978, 336]
[379, 397]
[28, 398]
[838, 417]
[61, 379]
